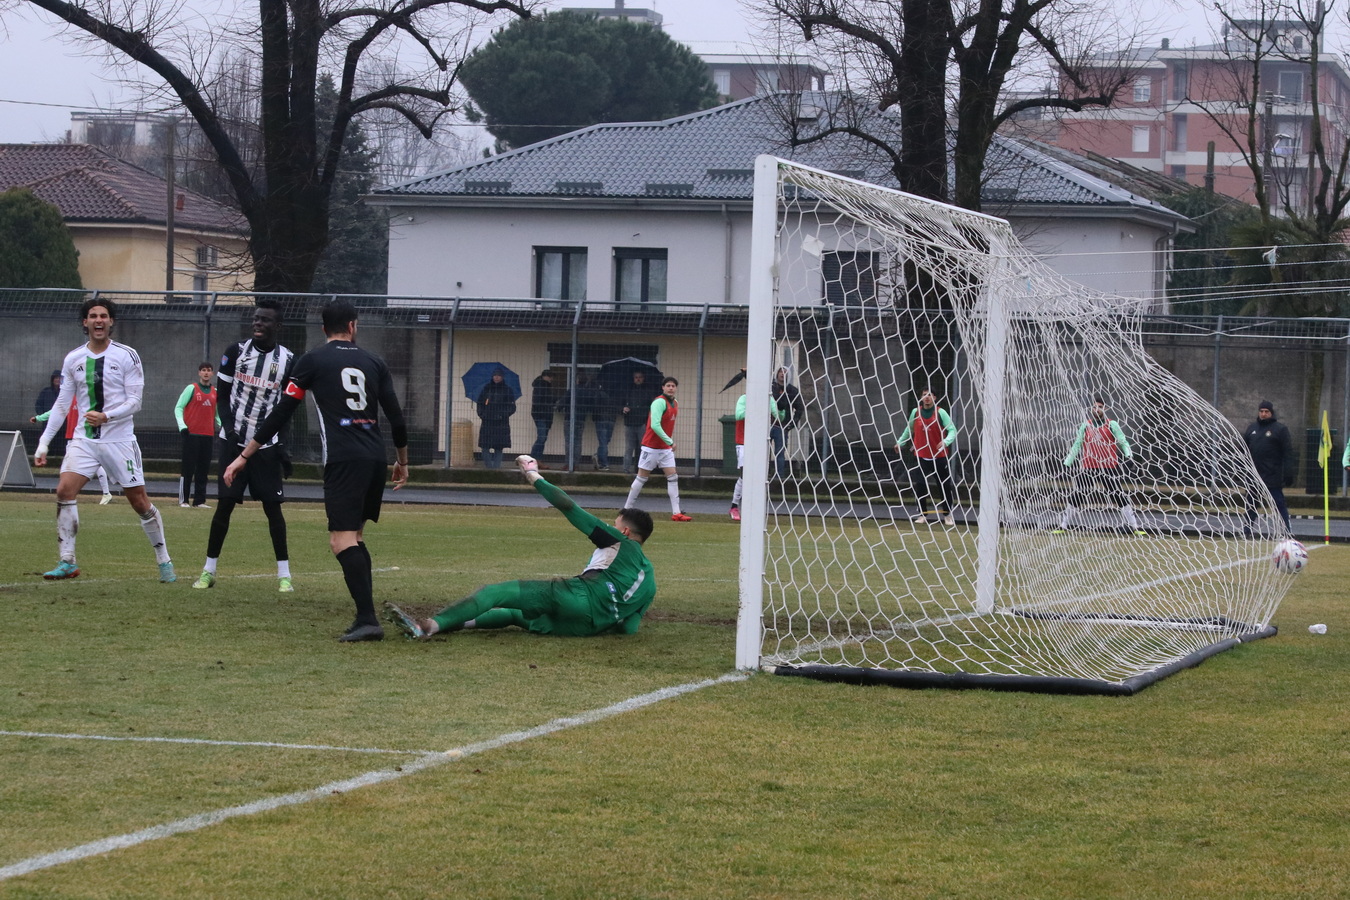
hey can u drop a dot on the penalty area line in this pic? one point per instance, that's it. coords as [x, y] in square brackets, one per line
[428, 761]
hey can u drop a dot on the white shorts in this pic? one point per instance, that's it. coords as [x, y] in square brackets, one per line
[740, 456]
[653, 459]
[120, 459]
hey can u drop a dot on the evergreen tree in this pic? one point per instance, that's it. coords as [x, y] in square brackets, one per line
[356, 260]
[36, 249]
[542, 77]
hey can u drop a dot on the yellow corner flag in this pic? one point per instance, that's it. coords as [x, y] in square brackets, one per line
[1324, 448]
[1324, 459]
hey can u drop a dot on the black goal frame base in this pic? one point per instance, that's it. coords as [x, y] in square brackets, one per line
[1036, 684]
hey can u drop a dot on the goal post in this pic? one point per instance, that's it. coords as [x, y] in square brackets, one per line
[1062, 513]
[758, 361]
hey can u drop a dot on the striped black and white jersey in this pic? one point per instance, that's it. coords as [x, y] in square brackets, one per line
[251, 383]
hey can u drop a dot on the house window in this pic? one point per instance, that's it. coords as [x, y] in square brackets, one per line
[1178, 172]
[639, 276]
[850, 277]
[560, 273]
[1181, 81]
[1179, 133]
[722, 80]
[208, 257]
[1291, 87]
[1140, 144]
[766, 81]
[1143, 90]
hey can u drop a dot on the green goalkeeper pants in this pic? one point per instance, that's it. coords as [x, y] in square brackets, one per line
[557, 606]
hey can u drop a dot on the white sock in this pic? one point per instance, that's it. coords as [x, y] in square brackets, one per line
[638, 482]
[283, 568]
[1127, 514]
[67, 526]
[210, 565]
[103, 480]
[153, 526]
[1068, 516]
[673, 489]
[736, 492]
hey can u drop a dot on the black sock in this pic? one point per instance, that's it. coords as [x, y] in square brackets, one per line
[220, 526]
[370, 571]
[356, 572]
[276, 527]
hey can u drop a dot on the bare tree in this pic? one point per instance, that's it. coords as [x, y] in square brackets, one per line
[1302, 209]
[900, 53]
[285, 199]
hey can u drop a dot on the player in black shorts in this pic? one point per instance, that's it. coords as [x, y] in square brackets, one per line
[350, 387]
[252, 375]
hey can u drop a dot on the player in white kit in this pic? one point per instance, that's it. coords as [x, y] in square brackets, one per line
[106, 379]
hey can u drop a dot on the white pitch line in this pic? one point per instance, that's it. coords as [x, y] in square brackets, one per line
[431, 760]
[212, 743]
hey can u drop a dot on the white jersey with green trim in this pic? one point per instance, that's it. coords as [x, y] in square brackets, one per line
[110, 382]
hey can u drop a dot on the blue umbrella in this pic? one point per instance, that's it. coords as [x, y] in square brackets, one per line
[480, 373]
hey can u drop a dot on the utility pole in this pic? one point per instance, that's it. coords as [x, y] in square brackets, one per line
[169, 170]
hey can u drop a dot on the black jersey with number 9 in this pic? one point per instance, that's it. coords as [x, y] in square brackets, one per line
[350, 386]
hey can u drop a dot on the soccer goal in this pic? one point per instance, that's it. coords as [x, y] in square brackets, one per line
[1093, 526]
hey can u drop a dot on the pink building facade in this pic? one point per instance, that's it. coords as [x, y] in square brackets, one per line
[1164, 120]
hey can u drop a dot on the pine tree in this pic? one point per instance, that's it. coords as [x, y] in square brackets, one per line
[546, 76]
[36, 249]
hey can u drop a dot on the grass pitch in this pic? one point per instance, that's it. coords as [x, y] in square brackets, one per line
[1225, 780]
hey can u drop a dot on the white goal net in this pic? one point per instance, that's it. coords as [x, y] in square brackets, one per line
[1067, 515]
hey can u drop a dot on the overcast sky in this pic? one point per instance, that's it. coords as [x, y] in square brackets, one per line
[43, 78]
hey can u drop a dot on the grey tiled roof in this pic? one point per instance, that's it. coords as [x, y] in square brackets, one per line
[710, 155]
[88, 185]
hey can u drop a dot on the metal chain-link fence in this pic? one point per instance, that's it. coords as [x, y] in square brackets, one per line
[600, 359]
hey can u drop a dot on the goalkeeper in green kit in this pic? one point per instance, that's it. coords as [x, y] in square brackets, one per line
[609, 597]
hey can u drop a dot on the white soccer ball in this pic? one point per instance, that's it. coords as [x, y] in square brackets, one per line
[1289, 557]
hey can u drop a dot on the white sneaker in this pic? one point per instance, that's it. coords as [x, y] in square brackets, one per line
[948, 520]
[922, 520]
[107, 498]
[186, 505]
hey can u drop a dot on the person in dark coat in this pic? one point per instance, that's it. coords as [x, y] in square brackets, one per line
[496, 406]
[544, 396]
[793, 411]
[592, 401]
[635, 404]
[1272, 450]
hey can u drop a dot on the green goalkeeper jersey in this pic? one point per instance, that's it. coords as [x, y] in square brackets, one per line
[618, 576]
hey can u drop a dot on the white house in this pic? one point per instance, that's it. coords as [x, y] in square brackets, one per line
[649, 220]
[659, 212]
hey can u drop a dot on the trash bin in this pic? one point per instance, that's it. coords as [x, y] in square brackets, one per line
[729, 445]
[461, 443]
[1313, 471]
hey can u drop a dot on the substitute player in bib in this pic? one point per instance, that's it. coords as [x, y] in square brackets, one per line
[106, 380]
[658, 449]
[198, 418]
[253, 374]
[1100, 447]
[776, 416]
[609, 597]
[350, 386]
[931, 431]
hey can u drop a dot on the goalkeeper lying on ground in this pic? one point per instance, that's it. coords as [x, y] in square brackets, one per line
[609, 597]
